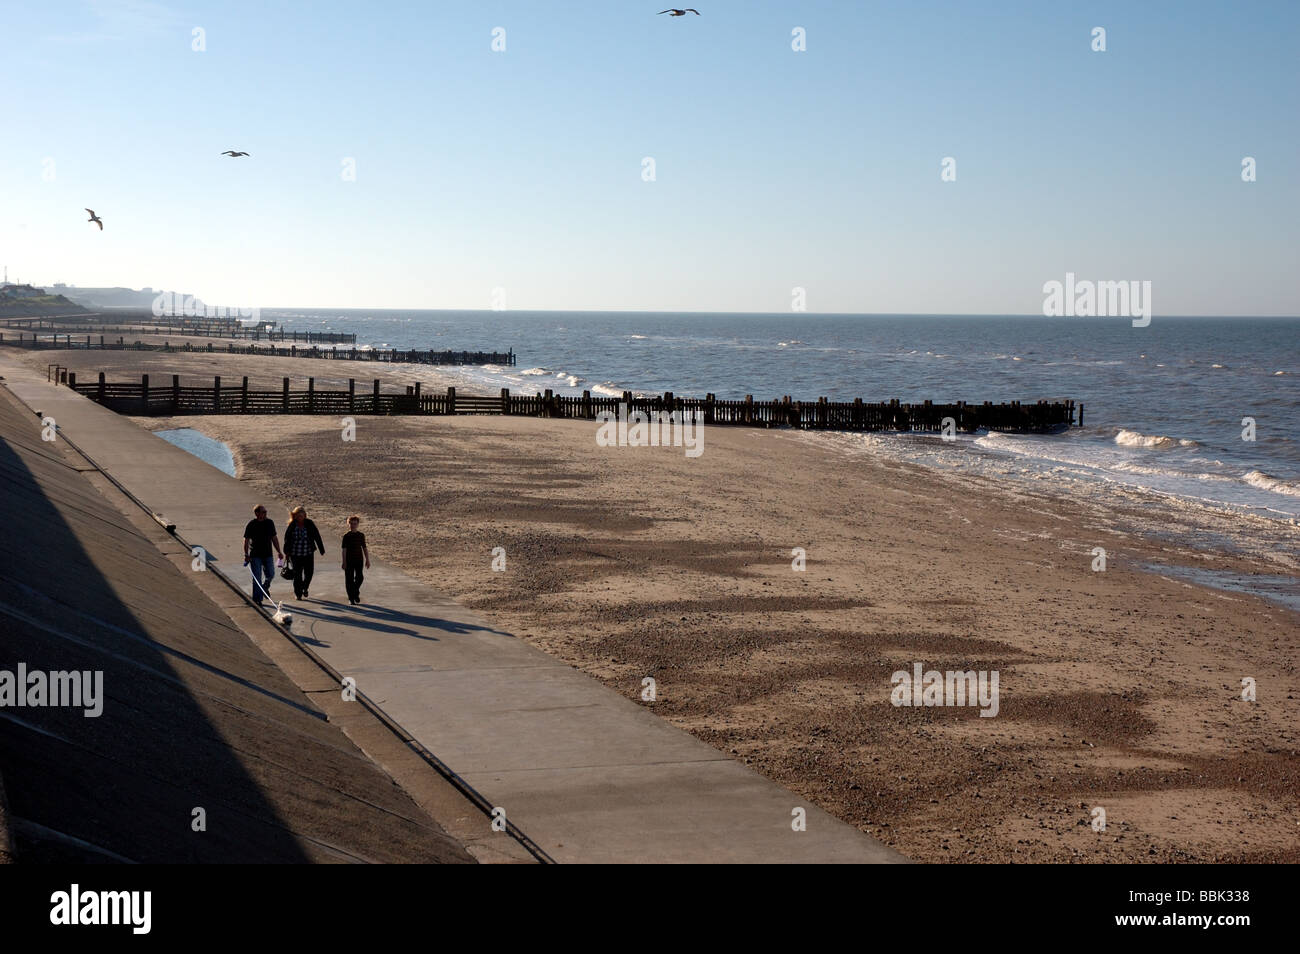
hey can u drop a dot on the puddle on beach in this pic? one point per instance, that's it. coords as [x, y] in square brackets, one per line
[1284, 590]
[206, 449]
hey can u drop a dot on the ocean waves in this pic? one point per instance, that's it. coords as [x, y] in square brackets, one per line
[1275, 485]
[1163, 408]
[1134, 439]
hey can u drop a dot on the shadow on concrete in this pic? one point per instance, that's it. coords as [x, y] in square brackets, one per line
[397, 616]
[386, 621]
[302, 610]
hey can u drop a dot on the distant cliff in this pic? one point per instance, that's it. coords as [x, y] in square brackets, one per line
[108, 297]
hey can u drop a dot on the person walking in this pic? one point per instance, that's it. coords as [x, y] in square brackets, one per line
[301, 541]
[259, 538]
[355, 555]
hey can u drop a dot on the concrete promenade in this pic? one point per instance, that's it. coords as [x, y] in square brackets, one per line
[588, 775]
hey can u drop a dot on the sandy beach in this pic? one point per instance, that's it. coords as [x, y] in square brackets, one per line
[1119, 689]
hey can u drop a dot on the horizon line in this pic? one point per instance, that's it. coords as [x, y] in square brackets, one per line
[626, 311]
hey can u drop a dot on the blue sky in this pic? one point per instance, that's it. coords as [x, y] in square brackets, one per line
[775, 169]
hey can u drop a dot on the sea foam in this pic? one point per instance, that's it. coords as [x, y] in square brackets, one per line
[1257, 478]
[1134, 439]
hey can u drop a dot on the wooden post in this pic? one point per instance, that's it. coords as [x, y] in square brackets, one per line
[451, 400]
[72, 379]
[352, 394]
[417, 395]
[243, 396]
[586, 406]
[101, 342]
[505, 400]
[144, 391]
[284, 397]
[375, 406]
[216, 394]
[749, 409]
[311, 395]
[100, 395]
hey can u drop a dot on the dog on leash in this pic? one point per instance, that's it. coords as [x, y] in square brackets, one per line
[280, 616]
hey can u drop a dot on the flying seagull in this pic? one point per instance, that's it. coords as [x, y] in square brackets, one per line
[232, 154]
[95, 218]
[678, 13]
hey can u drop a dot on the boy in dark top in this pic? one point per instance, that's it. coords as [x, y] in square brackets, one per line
[355, 555]
[259, 537]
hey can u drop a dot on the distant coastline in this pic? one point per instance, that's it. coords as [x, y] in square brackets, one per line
[40, 307]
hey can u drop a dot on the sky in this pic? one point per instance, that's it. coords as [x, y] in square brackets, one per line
[521, 173]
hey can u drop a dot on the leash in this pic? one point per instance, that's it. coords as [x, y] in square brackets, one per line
[258, 583]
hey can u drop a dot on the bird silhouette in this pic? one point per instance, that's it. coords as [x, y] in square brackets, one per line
[95, 218]
[678, 13]
[232, 154]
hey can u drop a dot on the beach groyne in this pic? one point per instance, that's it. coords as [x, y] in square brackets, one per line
[68, 333]
[153, 397]
[89, 342]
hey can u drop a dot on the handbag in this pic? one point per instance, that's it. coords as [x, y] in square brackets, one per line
[286, 571]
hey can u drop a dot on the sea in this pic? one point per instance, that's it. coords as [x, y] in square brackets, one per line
[1197, 411]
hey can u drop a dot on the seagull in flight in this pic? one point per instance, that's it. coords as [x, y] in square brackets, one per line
[95, 218]
[232, 154]
[678, 13]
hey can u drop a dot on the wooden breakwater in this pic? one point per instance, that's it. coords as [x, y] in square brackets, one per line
[146, 398]
[61, 334]
[65, 342]
[126, 319]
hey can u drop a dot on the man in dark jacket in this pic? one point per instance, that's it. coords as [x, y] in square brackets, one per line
[301, 541]
[259, 537]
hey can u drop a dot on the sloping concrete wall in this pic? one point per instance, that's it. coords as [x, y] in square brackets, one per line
[194, 715]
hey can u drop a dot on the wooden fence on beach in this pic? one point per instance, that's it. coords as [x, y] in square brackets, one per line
[65, 342]
[144, 398]
[61, 333]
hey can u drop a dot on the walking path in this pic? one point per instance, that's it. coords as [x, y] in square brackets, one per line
[588, 775]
